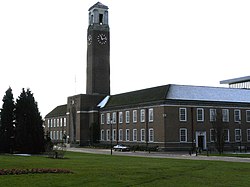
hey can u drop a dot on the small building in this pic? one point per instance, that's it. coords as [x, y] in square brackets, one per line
[241, 82]
[56, 123]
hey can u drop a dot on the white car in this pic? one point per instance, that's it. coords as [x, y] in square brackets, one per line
[121, 147]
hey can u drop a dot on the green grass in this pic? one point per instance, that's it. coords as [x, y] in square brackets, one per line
[107, 170]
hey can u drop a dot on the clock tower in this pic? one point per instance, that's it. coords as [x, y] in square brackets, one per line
[98, 51]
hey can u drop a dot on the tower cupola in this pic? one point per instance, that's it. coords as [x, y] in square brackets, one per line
[98, 14]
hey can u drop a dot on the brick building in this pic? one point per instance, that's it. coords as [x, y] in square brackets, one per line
[172, 117]
[177, 117]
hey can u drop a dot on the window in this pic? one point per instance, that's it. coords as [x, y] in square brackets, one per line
[134, 116]
[57, 135]
[51, 122]
[102, 118]
[225, 115]
[143, 135]
[212, 115]
[107, 135]
[237, 116]
[151, 135]
[54, 122]
[54, 135]
[200, 114]
[151, 115]
[226, 135]
[114, 117]
[183, 135]
[247, 115]
[65, 122]
[134, 134]
[102, 134]
[142, 115]
[127, 116]
[127, 135]
[61, 122]
[248, 135]
[183, 114]
[108, 118]
[47, 121]
[101, 19]
[120, 135]
[51, 135]
[120, 117]
[60, 135]
[212, 135]
[237, 135]
[114, 134]
[57, 122]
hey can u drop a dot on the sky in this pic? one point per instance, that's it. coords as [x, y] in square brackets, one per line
[43, 45]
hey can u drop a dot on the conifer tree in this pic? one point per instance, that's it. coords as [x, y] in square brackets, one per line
[7, 122]
[29, 129]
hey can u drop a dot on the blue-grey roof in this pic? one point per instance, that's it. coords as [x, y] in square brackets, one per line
[203, 93]
[176, 93]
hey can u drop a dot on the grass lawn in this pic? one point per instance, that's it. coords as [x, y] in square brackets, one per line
[107, 170]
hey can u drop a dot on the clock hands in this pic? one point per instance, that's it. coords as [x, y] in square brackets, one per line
[102, 39]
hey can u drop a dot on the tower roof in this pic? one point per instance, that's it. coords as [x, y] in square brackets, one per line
[99, 5]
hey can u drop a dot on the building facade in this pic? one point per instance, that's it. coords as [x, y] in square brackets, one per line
[177, 117]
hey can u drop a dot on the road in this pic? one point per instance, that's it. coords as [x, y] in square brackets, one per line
[173, 155]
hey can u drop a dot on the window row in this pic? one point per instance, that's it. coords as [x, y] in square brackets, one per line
[57, 135]
[237, 135]
[213, 115]
[112, 117]
[57, 122]
[137, 135]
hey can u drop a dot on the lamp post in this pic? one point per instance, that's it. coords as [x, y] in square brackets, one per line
[111, 136]
[240, 133]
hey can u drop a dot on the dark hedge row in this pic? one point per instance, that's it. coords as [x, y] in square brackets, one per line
[33, 171]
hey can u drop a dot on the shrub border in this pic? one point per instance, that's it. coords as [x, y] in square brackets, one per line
[14, 171]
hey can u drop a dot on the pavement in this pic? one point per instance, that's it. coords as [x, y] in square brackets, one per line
[173, 155]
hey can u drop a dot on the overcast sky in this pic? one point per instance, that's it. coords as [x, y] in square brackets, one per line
[153, 42]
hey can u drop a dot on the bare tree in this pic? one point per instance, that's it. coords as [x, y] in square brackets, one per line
[219, 131]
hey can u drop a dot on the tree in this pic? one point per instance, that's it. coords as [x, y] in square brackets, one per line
[7, 122]
[29, 124]
[219, 132]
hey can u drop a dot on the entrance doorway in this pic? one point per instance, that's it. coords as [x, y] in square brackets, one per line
[201, 140]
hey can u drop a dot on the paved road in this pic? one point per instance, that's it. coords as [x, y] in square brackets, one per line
[174, 155]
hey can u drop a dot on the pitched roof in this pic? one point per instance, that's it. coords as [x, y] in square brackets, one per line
[58, 111]
[178, 92]
[99, 5]
[139, 96]
[204, 93]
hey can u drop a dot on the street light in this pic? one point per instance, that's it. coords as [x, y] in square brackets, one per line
[111, 136]
[240, 133]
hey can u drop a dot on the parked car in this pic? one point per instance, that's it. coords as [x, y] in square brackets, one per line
[121, 147]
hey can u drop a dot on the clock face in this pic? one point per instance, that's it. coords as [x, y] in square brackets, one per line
[89, 39]
[102, 39]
